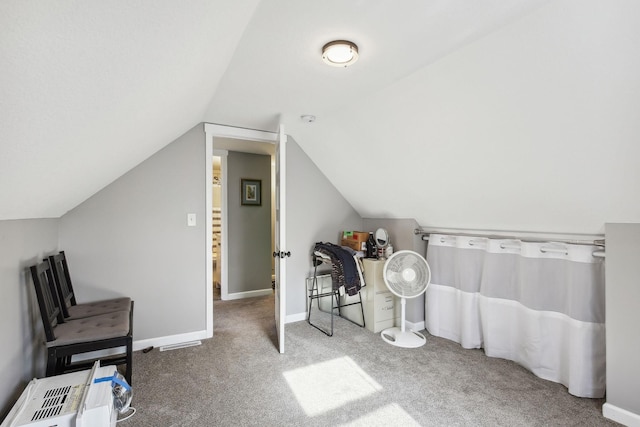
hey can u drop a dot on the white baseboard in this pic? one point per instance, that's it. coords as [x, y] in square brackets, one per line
[620, 415]
[170, 340]
[248, 294]
[291, 318]
[414, 326]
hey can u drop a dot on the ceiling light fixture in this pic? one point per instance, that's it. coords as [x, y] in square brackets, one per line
[340, 53]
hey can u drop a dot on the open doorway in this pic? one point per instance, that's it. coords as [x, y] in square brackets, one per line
[215, 135]
[243, 230]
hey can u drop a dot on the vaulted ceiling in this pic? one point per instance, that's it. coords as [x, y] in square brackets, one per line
[489, 114]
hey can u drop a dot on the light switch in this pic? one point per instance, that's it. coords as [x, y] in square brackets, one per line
[191, 220]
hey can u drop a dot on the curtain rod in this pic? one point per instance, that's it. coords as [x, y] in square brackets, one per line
[531, 237]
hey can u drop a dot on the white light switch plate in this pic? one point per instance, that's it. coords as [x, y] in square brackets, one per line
[191, 220]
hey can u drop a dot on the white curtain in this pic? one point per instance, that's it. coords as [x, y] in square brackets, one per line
[538, 304]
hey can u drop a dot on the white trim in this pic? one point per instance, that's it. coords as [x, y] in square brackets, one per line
[169, 340]
[249, 294]
[620, 415]
[222, 131]
[291, 318]
[414, 326]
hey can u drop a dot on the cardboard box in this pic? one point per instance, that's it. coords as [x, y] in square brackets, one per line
[354, 244]
[356, 240]
[360, 236]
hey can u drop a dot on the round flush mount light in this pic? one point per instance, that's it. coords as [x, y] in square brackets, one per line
[340, 53]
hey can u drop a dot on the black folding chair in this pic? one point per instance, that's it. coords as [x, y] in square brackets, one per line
[73, 337]
[68, 305]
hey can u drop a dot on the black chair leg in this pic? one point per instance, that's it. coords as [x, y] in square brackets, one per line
[52, 363]
[128, 373]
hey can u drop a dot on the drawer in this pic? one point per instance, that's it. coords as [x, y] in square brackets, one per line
[384, 306]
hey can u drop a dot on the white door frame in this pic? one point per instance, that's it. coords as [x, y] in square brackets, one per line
[221, 131]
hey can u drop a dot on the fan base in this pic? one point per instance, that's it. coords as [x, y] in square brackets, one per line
[407, 339]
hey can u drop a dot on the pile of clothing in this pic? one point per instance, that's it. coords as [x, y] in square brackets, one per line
[346, 270]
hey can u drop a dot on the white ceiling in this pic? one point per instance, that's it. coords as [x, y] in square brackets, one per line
[486, 87]
[277, 67]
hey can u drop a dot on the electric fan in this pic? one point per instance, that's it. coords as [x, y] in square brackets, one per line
[407, 275]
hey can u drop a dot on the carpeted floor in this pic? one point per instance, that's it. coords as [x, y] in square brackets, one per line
[238, 378]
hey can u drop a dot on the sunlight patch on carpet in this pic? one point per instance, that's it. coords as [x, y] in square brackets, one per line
[388, 415]
[325, 386]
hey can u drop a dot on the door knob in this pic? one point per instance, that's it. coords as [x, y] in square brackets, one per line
[281, 254]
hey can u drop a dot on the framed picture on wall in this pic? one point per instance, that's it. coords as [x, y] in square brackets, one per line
[251, 192]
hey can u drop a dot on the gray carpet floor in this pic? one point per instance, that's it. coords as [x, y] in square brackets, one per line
[238, 378]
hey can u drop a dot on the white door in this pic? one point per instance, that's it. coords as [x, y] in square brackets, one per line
[281, 253]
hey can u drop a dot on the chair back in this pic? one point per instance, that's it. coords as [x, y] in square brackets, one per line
[47, 298]
[62, 280]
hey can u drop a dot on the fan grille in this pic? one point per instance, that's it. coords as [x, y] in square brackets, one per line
[407, 274]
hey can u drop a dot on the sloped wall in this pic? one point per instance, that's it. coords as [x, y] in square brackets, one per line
[316, 212]
[132, 238]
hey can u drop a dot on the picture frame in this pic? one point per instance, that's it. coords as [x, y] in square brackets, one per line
[251, 192]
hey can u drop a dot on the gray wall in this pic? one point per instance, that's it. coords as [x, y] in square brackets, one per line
[623, 316]
[131, 238]
[402, 237]
[249, 226]
[22, 243]
[316, 211]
